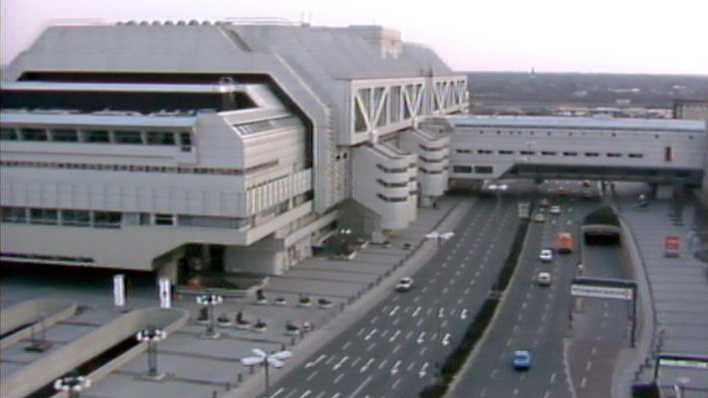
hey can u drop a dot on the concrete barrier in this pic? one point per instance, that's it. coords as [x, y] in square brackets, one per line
[39, 314]
[57, 363]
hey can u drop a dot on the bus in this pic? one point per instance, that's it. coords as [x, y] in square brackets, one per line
[564, 242]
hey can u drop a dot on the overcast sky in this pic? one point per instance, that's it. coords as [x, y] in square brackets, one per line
[625, 36]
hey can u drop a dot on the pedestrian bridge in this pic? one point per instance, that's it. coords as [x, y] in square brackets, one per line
[648, 150]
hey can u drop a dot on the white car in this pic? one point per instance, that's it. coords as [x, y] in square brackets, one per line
[546, 255]
[404, 284]
[555, 210]
[543, 279]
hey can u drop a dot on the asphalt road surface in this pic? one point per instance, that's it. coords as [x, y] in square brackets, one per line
[531, 317]
[395, 349]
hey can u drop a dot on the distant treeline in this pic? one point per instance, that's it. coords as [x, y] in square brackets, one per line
[585, 89]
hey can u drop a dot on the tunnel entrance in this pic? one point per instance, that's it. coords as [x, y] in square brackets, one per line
[602, 227]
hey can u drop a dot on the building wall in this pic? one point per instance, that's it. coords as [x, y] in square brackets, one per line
[694, 110]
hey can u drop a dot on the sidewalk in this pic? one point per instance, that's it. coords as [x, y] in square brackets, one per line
[679, 286]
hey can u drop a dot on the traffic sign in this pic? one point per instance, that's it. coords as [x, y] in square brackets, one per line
[619, 293]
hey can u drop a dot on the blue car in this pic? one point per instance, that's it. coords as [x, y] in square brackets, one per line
[522, 360]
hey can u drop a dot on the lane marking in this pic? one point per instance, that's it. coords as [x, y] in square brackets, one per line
[277, 392]
[395, 350]
[336, 379]
[366, 365]
[356, 361]
[340, 363]
[371, 346]
[346, 345]
[312, 375]
[361, 387]
[382, 364]
[308, 392]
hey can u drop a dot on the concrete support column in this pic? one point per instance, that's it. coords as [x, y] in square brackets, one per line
[206, 255]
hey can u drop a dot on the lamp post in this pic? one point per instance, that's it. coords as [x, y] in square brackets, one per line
[209, 301]
[72, 385]
[152, 336]
[437, 236]
[275, 360]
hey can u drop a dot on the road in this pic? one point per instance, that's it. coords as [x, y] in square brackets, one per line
[394, 350]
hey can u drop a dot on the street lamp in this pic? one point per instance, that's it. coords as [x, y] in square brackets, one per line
[209, 301]
[152, 336]
[72, 385]
[275, 360]
[437, 236]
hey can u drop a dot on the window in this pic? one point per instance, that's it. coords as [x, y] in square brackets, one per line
[127, 137]
[570, 154]
[145, 219]
[506, 152]
[462, 169]
[107, 219]
[43, 216]
[96, 136]
[592, 154]
[186, 139]
[636, 155]
[527, 153]
[392, 199]
[548, 153]
[160, 138]
[463, 151]
[8, 134]
[392, 184]
[65, 135]
[164, 219]
[614, 155]
[34, 134]
[484, 152]
[14, 214]
[483, 169]
[77, 218]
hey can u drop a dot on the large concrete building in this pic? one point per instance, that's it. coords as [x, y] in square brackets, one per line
[239, 147]
[145, 145]
[691, 109]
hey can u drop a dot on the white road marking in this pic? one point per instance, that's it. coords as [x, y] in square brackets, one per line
[583, 382]
[420, 322]
[410, 366]
[277, 393]
[291, 393]
[371, 333]
[320, 395]
[553, 378]
[360, 331]
[446, 339]
[308, 392]
[463, 314]
[371, 347]
[394, 336]
[395, 321]
[336, 379]
[330, 360]
[423, 370]
[422, 351]
[409, 334]
[588, 365]
[395, 350]
[395, 384]
[356, 361]
[335, 395]
[312, 375]
[494, 373]
[315, 362]
[374, 319]
[346, 345]
[420, 338]
[394, 310]
[394, 368]
[361, 387]
[382, 364]
[366, 365]
[508, 342]
[340, 363]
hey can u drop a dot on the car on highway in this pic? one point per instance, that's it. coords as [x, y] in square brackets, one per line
[546, 255]
[555, 210]
[521, 360]
[543, 279]
[405, 284]
[539, 217]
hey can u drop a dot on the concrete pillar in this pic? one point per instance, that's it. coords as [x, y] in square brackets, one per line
[705, 171]
[169, 270]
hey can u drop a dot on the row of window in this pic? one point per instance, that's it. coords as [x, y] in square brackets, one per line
[44, 257]
[123, 167]
[550, 153]
[265, 125]
[430, 148]
[392, 184]
[392, 199]
[96, 136]
[475, 169]
[112, 219]
[391, 170]
[570, 133]
[428, 160]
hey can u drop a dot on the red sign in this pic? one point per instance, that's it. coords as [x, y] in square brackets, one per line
[671, 245]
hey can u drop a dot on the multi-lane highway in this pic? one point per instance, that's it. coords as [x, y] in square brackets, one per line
[531, 317]
[395, 349]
